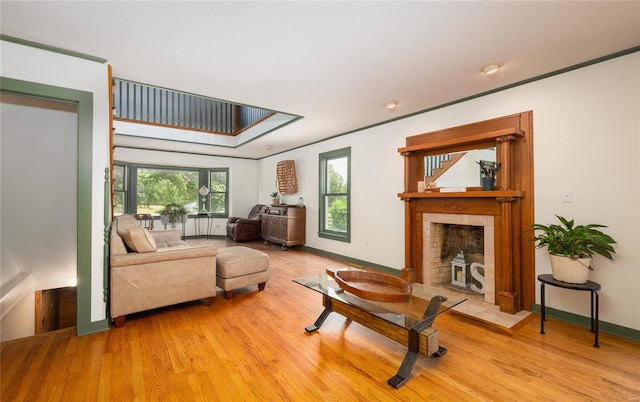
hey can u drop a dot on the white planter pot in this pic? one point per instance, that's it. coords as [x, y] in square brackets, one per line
[571, 271]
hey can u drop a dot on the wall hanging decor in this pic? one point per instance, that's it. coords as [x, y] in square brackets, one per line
[287, 180]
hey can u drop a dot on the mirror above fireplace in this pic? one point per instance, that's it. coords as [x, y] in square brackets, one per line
[457, 169]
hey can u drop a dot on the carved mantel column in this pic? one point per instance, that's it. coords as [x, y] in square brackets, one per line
[509, 295]
[504, 150]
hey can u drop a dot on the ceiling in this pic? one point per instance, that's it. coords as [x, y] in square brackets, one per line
[335, 63]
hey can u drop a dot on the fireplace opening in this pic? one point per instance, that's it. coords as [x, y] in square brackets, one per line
[459, 254]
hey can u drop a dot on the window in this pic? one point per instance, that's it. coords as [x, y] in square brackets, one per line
[144, 189]
[335, 195]
[157, 187]
[218, 180]
[119, 189]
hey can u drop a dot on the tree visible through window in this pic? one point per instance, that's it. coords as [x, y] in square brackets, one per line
[157, 187]
[119, 189]
[144, 189]
[218, 191]
[335, 194]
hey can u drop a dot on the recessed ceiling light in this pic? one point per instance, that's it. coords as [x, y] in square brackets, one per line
[268, 147]
[392, 105]
[491, 69]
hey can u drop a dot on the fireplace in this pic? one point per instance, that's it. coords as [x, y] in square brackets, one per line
[437, 270]
[505, 213]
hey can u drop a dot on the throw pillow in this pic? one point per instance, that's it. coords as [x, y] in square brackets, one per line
[138, 239]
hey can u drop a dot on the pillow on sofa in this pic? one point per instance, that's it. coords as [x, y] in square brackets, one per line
[137, 238]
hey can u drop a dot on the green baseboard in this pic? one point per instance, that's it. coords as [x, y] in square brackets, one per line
[354, 261]
[603, 326]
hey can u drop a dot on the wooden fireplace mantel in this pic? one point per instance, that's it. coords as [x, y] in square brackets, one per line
[465, 194]
[511, 204]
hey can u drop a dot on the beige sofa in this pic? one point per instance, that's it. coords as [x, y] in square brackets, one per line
[151, 269]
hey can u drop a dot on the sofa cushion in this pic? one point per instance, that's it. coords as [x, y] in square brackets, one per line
[136, 237]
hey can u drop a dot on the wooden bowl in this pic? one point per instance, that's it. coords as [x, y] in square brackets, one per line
[372, 285]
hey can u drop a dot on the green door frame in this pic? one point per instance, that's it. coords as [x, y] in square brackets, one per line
[84, 100]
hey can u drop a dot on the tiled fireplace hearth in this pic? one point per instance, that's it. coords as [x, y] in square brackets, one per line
[432, 223]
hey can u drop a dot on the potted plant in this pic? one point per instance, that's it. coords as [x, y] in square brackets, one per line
[571, 248]
[276, 198]
[173, 213]
[488, 171]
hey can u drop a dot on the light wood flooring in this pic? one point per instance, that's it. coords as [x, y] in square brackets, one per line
[254, 348]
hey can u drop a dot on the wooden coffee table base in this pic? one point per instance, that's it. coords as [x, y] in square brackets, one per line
[421, 338]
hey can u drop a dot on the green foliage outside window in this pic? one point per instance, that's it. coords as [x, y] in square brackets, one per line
[119, 189]
[334, 195]
[218, 194]
[336, 204]
[160, 187]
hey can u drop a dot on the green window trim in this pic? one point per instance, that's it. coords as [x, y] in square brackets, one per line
[335, 195]
[218, 192]
[129, 191]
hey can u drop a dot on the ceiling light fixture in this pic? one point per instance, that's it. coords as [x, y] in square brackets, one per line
[268, 147]
[392, 105]
[491, 69]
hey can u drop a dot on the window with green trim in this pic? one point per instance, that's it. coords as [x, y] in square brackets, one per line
[335, 195]
[147, 189]
[218, 197]
[119, 189]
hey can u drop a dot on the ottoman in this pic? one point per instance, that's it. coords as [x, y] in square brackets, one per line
[239, 267]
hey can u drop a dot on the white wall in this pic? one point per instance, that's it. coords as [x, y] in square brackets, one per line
[586, 126]
[45, 67]
[243, 178]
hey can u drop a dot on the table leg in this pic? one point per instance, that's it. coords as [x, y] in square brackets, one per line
[408, 362]
[542, 309]
[323, 316]
[410, 358]
[209, 226]
[595, 324]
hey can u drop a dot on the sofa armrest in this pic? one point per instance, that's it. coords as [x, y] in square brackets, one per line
[233, 219]
[168, 254]
[164, 236]
[249, 221]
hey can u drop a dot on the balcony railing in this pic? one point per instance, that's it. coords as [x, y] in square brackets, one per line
[144, 103]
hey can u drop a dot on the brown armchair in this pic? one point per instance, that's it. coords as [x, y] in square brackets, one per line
[245, 229]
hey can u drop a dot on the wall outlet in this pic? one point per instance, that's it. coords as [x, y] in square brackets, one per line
[566, 196]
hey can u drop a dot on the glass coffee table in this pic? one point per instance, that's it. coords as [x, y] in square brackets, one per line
[408, 323]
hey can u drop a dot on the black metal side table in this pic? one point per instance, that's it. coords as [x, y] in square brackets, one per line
[593, 287]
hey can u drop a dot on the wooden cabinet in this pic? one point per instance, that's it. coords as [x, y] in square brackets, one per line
[284, 224]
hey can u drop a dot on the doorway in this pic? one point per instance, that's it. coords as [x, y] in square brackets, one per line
[39, 175]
